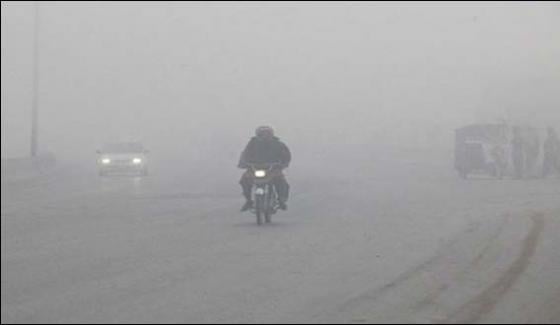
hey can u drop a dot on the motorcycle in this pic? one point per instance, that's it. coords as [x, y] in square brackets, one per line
[263, 192]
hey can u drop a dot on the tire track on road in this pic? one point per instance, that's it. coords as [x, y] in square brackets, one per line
[410, 298]
[417, 271]
[484, 303]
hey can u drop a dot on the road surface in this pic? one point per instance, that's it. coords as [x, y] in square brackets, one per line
[362, 245]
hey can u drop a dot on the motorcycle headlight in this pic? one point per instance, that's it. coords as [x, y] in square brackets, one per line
[260, 173]
[105, 161]
[137, 161]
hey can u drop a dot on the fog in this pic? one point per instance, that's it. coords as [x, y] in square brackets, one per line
[195, 79]
[396, 214]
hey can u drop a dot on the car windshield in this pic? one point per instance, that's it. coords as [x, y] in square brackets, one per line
[124, 147]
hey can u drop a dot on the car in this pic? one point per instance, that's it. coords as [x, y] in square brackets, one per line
[123, 158]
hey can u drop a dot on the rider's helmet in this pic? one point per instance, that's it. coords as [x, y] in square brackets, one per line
[264, 132]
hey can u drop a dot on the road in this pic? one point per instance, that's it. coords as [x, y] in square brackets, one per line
[364, 245]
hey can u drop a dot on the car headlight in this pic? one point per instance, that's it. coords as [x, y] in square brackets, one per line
[260, 173]
[105, 161]
[137, 161]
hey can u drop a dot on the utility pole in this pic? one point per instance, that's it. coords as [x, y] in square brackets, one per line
[35, 82]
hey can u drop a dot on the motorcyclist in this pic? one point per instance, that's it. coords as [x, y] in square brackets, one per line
[265, 148]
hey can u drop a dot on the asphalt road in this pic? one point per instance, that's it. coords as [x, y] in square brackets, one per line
[363, 245]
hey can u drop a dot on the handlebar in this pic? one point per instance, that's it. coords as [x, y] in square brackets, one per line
[265, 166]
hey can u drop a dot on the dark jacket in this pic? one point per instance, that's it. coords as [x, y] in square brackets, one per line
[263, 151]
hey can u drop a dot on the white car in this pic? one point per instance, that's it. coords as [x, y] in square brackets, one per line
[123, 158]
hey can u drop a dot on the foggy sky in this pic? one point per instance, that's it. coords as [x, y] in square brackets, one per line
[195, 79]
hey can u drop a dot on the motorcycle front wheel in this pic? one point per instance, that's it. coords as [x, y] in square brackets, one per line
[269, 206]
[259, 209]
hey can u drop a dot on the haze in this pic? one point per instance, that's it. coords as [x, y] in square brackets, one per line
[424, 181]
[185, 76]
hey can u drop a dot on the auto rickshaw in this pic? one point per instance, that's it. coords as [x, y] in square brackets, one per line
[482, 149]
